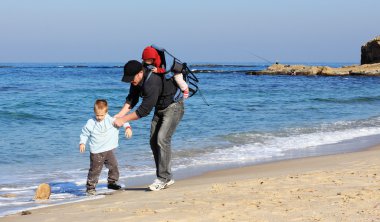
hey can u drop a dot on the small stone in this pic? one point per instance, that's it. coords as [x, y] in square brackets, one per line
[8, 195]
[339, 193]
[43, 192]
[26, 212]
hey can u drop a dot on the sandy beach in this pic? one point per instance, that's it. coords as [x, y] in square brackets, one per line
[342, 187]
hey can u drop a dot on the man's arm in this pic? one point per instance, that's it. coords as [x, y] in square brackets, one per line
[127, 118]
[131, 100]
[151, 92]
[126, 108]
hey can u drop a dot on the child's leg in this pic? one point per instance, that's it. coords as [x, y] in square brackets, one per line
[96, 165]
[112, 165]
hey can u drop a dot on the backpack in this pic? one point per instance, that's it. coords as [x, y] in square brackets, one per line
[178, 67]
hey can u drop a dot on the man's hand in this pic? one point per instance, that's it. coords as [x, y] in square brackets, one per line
[128, 132]
[118, 122]
[154, 70]
[82, 147]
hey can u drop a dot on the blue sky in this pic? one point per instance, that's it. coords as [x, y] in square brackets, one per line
[195, 31]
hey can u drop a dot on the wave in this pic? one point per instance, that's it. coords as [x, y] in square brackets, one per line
[91, 67]
[222, 65]
[22, 116]
[7, 88]
[254, 147]
[360, 99]
[64, 66]
[220, 71]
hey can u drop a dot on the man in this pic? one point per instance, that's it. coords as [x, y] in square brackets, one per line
[156, 91]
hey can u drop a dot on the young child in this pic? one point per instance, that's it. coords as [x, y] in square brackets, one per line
[150, 57]
[102, 138]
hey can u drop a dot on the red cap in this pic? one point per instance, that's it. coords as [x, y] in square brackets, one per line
[149, 53]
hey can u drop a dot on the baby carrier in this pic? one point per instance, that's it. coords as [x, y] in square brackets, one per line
[178, 67]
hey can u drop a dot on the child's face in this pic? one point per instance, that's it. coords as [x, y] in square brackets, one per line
[100, 115]
[149, 61]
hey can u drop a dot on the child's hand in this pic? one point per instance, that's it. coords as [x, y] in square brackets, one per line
[154, 70]
[82, 147]
[128, 132]
[186, 93]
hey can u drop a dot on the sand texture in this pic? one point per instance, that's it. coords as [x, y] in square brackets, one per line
[343, 187]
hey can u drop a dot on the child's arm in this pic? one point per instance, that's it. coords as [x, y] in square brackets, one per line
[182, 84]
[84, 136]
[128, 130]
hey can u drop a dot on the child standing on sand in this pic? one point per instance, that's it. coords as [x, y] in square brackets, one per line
[102, 138]
[150, 57]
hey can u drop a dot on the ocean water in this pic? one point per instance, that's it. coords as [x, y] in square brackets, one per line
[248, 119]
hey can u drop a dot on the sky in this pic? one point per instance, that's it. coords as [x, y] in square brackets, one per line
[194, 31]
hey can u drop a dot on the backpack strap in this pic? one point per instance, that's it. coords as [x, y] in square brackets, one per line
[149, 75]
[178, 95]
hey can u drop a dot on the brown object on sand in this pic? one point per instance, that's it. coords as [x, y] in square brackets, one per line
[43, 192]
[26, 212]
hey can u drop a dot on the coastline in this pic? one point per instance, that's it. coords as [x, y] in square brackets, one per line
[334, 187]
[353, 70]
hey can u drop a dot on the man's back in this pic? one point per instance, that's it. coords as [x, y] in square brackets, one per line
[155, 90]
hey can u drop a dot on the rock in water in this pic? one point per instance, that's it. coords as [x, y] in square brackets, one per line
[371, 52]
[43, 192]
[8, 195]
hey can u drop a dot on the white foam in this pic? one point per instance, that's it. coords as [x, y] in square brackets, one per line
[273, 146]
[19, 189]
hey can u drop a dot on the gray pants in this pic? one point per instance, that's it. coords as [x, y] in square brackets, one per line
[97, 160]
[163, 125]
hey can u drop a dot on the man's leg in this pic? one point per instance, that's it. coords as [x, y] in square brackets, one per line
[171, 116]
[154, 128]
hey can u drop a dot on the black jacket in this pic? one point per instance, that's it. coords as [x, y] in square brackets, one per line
[156, 91]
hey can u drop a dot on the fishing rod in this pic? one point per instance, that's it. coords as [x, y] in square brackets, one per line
[260, 57]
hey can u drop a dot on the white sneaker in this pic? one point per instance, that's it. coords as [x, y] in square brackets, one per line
[159, 185]
[170, 182]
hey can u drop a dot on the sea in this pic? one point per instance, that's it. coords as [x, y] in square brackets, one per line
[234, 120]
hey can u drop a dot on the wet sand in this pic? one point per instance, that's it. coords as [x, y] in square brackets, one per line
[342, 187]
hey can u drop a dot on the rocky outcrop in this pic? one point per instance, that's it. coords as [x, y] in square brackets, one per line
[371, 52]
[281, 69]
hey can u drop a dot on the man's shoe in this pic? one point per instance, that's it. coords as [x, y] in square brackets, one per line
[113, 186]
[159, 185]
[91, 192]
[170, 182]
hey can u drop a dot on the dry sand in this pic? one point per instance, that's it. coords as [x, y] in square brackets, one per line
[343, 187]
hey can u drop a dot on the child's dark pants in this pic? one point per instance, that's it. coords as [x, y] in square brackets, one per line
[97, 160]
